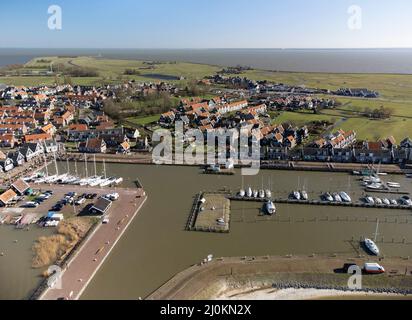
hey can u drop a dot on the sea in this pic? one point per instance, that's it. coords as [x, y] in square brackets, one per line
[296, 60]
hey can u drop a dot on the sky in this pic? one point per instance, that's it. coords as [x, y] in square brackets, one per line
[207, 24]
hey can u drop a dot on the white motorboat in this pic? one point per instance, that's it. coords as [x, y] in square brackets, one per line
[304, 195]
[242, 193]
[375, 186]
[394, 202]
[372, 179]
[386, 201]
[296, 195]
[369, 200]
[394, 185]
[372, 247]
[262, 194]
[268, 194]
[378, 201]
[345, 197]
[270, 208]
[118, 181]
[255, 193]
[337, 198]
[221, 222]
[328, 197]
[249, 192]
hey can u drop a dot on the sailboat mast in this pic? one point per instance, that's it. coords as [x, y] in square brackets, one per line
[85, 165]
[104, 168]
[46, 166]
[95, 169]
[377, 230]
[55, 164]
[75, 168]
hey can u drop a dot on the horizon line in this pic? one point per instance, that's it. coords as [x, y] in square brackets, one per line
[205, 48]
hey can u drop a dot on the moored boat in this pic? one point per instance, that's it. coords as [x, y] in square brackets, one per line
[296, 195]
[328, 197]
[304, 195]
[345, 197]
[372, 247]
[270, 208]
[249, 192]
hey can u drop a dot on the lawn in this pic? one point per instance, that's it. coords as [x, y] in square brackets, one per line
[143, 121]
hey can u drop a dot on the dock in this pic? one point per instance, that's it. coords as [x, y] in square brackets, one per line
[87, 259]
[210, 213]
[357, 204]
[387, 191]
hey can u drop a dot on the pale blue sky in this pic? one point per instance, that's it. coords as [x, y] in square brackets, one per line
[206, 24]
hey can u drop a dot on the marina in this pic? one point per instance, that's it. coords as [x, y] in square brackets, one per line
[149, 243]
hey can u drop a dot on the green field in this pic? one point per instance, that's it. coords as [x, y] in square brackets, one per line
[109, 71]
[396, 90]
[144, 120]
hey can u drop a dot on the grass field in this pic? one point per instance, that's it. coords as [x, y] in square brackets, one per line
[110, 71]
[142, 121]
[396, 90]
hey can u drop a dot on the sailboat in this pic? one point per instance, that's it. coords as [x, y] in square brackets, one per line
[270, 208]
[345, 197]
[249, 192]
[371, 245]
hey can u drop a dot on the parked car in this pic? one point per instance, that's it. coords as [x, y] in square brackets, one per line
[112, 196]
[80, 201]
[31, 204]
[57, 207]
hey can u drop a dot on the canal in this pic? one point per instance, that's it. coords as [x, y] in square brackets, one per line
[156, 247]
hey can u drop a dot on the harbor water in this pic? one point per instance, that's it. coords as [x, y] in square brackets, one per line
[156, 245]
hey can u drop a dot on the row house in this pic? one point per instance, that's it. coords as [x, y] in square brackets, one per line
[232, 107]
[17, 129]
[167, 119]
[7, 141]
[94, 145]
[37, 137]
[50, 129]
[28, 122]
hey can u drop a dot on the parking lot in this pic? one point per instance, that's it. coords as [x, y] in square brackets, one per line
[57, 200]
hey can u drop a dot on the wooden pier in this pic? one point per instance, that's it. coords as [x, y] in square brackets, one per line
[387, 191]
[322, 203]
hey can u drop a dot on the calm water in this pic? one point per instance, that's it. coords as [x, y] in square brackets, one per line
[156, 247]
[17, 278]
[304, 60]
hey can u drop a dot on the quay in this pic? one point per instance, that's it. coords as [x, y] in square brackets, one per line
[79, 271]
[146, 158]
[322, 203]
